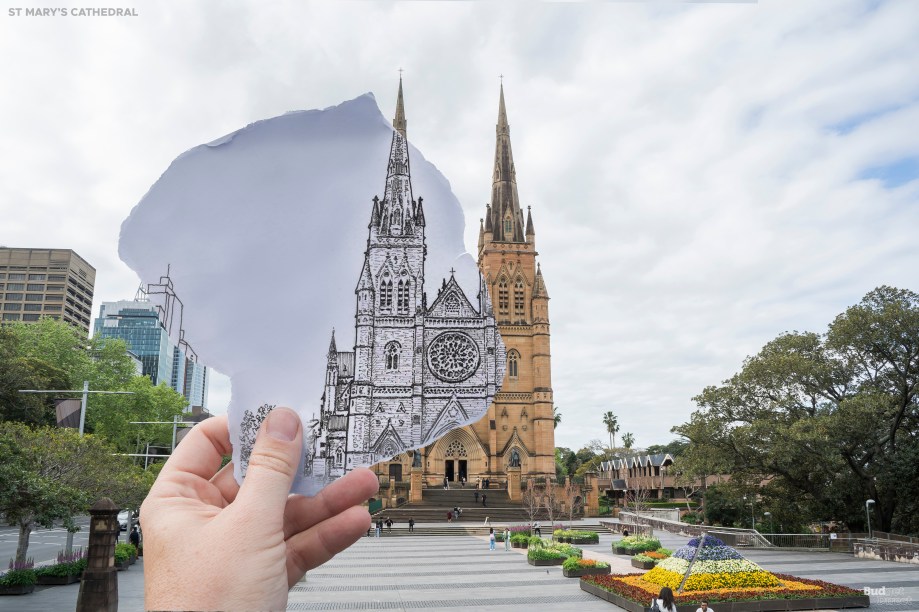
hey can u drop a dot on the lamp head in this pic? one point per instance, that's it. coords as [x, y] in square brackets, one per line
[869, 502]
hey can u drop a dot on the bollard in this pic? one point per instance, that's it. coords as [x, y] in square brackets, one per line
[99, 586]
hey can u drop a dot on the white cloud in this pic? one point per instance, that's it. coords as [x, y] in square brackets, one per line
[693, 169]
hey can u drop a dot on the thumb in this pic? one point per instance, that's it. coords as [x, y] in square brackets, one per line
[273, 463]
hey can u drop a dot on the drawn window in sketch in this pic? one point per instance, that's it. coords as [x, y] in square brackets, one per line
[386, 295]
[392, 356]
[402, 296]
[513, 358]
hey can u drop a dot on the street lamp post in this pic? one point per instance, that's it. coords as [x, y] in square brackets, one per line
[868, 505]
[752, 516]
[768, 515]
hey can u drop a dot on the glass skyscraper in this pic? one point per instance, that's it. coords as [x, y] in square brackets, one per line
[139, 324]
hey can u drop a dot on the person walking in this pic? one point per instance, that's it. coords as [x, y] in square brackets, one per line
[449, 516]
[537, 530]
[389, 525]
[379, 526]
[477, 496]
[411, 525]
[134, 538]
[483, 500]
[507, 538]
[446, 485]
[491, 538]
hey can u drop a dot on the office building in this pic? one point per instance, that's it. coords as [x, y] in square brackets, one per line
[56, 283]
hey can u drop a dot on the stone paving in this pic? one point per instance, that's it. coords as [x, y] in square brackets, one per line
[459, 572]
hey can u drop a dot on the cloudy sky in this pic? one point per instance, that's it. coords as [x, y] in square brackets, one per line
[703, 177]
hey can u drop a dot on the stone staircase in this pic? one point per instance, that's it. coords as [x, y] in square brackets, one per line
[437, 502]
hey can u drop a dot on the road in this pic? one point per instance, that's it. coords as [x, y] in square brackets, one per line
[44, 544]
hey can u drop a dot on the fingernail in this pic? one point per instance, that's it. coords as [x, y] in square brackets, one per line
[283, 424]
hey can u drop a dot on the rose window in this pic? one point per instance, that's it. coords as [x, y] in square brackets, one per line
[453, 357]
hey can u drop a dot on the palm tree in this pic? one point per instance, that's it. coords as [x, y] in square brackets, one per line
[612, 426]
[556, 417]
[628, 439]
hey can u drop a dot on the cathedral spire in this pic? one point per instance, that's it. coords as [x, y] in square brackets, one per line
[396, 207]
[399, 121]
[333, 351]
[505, 214]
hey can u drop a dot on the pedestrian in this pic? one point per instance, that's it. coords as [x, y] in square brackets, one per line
[449, 516]
[463, 481]
[507, 538]
[389, 525]
[135, 537]
[483, 500]
[379, 527]
[445, 483]
[411, 525]
[459, 513]
[664, 601]
[478, 484]
[537, 530]
[491, 538]
[703, 607]
[477, 495]
[625, 533]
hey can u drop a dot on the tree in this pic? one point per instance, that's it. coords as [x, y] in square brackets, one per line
[556, 417]
[612, 426]
[573, 500]
[551, 502]
[826, 420]
[628, 439]
[531, 500]
[49, 474]
[674, 448]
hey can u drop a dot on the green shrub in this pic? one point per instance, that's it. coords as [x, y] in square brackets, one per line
[540, 553]
[19, 577]
[643, 558]
[567, 549]
[123, 552]
[536, 541]
[637, 544]
[664, 551]
[690, 518]
[520, 538]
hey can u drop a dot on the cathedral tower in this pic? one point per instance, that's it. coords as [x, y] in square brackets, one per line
[522, 414]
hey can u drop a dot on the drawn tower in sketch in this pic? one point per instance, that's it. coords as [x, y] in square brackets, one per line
[416, 370]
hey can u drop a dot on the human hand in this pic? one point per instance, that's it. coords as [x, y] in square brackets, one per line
[210, 544]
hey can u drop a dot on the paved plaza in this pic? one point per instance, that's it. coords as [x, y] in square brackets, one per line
[460, 572]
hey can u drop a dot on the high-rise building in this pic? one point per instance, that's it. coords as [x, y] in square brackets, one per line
[55, 283]
[145, 326]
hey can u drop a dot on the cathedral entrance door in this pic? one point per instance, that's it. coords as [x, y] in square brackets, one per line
[462, 469]
[448, 470]
[395, 472]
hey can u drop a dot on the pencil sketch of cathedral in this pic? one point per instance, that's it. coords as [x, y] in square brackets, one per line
[417, 371]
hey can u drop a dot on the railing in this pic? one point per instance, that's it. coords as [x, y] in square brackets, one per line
[731, 535]
[814, 541]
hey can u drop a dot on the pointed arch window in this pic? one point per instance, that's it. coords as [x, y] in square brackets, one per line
[402, 297]
[503, 296]
[518, 297]
[508, 226]
[513, 364]
[339, 457]
[392, 355]
[386, 294]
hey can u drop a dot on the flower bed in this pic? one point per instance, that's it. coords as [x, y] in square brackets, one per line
[538, 555]
[642, 561]
[797, 593]
[576, 537]
[575, 568]
[631, 545]
[520, 540]
[67, 570]
[20, 579]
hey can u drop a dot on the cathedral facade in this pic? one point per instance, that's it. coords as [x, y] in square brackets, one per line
[519, 428]
[417, 370]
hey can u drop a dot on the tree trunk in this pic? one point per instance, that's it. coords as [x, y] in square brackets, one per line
[22, 547]
[68, 547]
